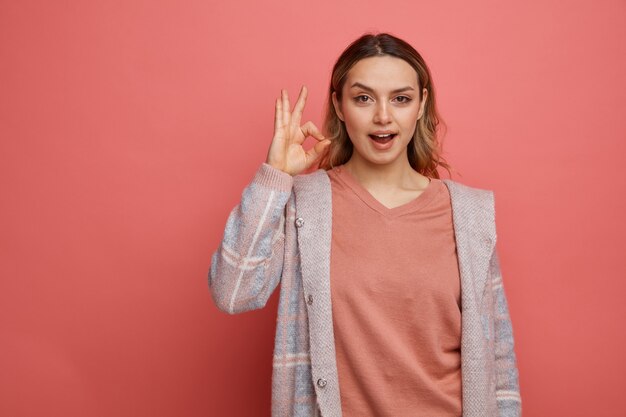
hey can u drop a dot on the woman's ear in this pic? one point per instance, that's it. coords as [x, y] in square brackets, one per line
[337, 106]
[423, 103]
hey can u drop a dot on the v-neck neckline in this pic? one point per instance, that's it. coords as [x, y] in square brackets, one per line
[411, 206]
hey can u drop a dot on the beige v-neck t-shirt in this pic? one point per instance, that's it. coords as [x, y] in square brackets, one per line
[396, 302]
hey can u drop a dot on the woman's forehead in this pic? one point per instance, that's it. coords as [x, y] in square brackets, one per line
[381, 73]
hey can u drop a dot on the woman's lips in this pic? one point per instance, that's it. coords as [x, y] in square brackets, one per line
[382, 143]
[385, 139]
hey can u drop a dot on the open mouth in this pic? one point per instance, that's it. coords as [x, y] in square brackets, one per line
[383, 138]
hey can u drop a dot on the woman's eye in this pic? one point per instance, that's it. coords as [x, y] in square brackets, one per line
[403, 99]
[361, 99]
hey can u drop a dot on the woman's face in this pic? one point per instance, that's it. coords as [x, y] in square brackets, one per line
[380, 107]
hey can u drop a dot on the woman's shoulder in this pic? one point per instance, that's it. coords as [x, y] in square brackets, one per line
[465, 187]
[317, 177]
[462, 194]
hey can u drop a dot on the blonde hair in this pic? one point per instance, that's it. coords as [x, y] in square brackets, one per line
[424, 149]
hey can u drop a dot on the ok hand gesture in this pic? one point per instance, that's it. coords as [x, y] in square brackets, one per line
[286, 152]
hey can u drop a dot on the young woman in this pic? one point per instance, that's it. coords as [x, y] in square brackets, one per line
[391, 296]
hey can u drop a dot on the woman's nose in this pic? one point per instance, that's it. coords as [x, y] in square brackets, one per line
[382, 114]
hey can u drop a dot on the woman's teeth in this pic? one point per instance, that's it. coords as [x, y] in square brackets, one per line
[383, 138]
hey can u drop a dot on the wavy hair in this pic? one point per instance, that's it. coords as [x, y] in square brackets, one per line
[424, 149]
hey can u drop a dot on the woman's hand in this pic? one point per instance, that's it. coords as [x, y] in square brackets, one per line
[286, 152]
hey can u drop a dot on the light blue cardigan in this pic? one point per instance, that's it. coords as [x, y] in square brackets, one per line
[281, 232]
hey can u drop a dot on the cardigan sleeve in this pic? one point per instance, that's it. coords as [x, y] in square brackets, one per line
[507, 378]
[247, 266]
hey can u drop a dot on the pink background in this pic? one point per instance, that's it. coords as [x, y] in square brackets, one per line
[129, 129]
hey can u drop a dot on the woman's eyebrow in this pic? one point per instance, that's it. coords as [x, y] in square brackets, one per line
[371, 90]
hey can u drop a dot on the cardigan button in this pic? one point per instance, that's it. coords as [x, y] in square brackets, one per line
[299, 222]
[321, 382]
[309, 299]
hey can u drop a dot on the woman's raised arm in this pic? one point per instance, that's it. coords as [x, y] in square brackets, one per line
[247, 265]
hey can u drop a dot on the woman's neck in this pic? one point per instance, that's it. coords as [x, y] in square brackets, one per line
[398, 175]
